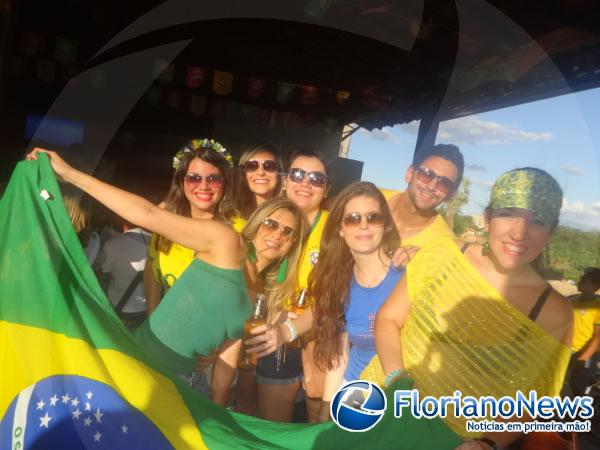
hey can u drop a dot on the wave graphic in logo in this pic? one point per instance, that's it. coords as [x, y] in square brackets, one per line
[358, 406]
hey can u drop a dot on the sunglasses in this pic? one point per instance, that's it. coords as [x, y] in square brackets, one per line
[354, 219]
[253, 165]
[442, 184]
[272, 225]
[212, 179]
[317, 179]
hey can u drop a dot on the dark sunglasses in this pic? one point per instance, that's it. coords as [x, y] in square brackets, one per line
[355, 219]
[253, 165]
[317, 179]
[272, 225]
[212, 179]
[442, 184]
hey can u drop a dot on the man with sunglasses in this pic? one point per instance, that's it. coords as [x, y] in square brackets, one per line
[432, 178]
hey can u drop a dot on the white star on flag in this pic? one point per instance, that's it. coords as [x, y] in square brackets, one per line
[53, 400]
[40, 404]
[124, 429]
[76, 414]
[66, 398]
[98, 415]
[87, 421]
[97, 436]
[75, 402]
[44, 420]
[88, 406]
[89, 395]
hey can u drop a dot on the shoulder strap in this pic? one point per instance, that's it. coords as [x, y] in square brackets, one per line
[535, 311]
[134, 283]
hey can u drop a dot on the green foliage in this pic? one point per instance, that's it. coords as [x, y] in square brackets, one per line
[458, 200]
[462, 223]
[570, 251]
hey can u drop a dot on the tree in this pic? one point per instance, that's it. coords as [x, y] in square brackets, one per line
[458, 200]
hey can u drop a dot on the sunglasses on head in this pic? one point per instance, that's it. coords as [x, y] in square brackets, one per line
[212, 179]
[268, 165]
[355, 219]
[442, 184]
[317, 179]
[272, 225]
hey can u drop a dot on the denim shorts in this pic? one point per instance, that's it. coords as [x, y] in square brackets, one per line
[288, 371]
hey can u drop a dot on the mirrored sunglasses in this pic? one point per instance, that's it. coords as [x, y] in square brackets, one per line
[442, 184]
[355, 219]
[212, 179]
[253, 165]
[272, 225]
[317, 179]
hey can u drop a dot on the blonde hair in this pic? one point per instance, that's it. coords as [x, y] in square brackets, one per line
[279, 293]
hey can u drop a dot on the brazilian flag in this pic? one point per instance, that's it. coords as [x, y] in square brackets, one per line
[71, 376]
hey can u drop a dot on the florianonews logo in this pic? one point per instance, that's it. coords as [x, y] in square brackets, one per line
[358, 406]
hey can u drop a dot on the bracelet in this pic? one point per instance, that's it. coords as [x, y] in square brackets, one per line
[393, 375]
[292, 328]
[491, 444]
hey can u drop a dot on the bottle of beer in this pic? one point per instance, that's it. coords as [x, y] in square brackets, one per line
[248, 360]
[301, 303]
[298, 307]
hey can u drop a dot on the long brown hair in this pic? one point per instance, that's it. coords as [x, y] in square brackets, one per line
[177, 202]
[245, 200]
[329, 281]
[278, 293]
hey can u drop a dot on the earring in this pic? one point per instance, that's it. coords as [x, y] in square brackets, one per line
[282, 271]
[251, 252]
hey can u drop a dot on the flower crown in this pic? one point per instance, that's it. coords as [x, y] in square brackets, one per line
[198, 144]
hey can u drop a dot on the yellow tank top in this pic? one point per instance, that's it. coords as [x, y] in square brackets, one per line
[461, 334]
[437, 228]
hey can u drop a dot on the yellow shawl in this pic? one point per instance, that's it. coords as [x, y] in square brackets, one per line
[461, 334]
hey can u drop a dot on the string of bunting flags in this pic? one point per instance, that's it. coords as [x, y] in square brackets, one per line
[200, 90]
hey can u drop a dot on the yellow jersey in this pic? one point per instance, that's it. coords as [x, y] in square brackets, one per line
[586, 316]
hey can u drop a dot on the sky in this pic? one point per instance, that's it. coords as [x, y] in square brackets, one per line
[560, 135]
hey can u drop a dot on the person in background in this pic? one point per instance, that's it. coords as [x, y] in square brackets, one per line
[586, 331]
[352, 279]
[120, 266]
[478, 318]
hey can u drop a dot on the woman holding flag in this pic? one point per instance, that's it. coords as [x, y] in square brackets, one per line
[206, 309]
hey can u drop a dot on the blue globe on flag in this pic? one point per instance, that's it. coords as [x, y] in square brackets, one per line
[74, 412]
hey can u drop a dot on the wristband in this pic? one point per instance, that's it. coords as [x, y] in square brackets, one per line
[393, 375]
[488, 442]
[292, 328]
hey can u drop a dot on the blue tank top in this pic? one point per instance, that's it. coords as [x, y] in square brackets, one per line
[360, 320]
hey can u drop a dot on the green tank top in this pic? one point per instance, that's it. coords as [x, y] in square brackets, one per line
[204, 307]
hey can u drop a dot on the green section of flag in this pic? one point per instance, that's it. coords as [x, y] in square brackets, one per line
[46, 282]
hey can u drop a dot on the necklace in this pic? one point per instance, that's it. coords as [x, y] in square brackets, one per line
[372, 279]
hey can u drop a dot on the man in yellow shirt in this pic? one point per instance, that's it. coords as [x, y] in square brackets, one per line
[586, 330]
[433, 177]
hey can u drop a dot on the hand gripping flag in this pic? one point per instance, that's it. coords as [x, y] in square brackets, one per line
[71, 376]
